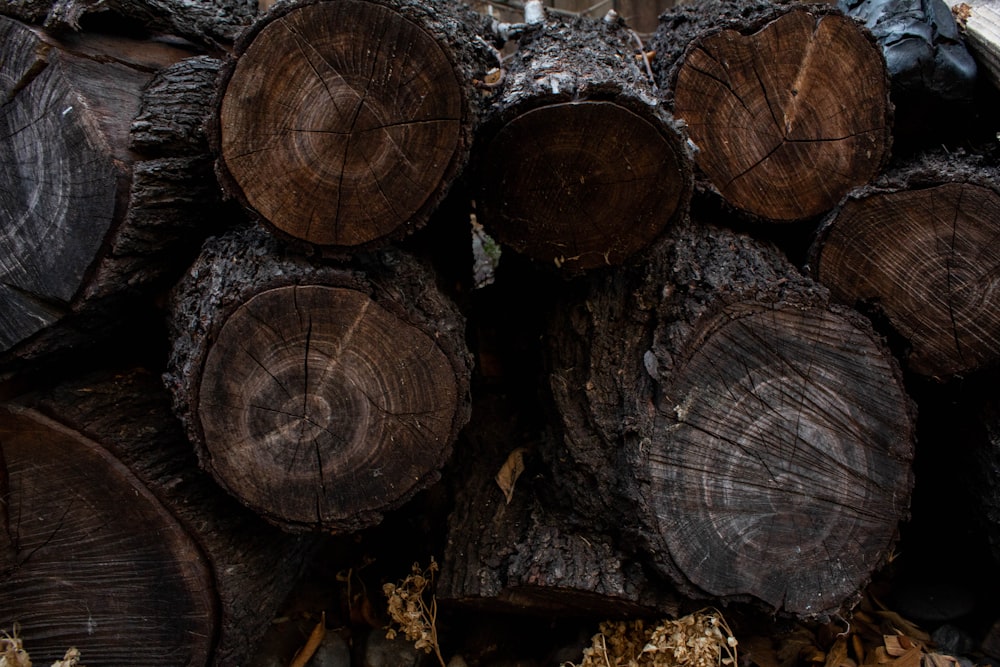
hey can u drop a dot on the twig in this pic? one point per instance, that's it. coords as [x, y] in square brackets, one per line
[645, 58]
[306, 653]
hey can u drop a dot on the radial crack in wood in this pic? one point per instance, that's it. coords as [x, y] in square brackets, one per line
[928, 260]
[84, 568]
[320, 395]
[343, 123]
[722, 413]
[787, 116]
[777, 443]
[328, 387]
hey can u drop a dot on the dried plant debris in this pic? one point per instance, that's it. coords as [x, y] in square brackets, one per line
[874, 635]
[701, 639]
[413, 609]
[13, 654]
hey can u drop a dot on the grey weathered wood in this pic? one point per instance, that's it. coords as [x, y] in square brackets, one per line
[718, 409]
[199, 20]
[89, 224]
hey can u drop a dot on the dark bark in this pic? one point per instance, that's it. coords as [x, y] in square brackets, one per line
[729, 418]
[89, 226]
[918, 250]
[788, 104]
[122, 547]
[320, 395]
[344, 124]
[579, 164]
[527, 554]
[201, 21]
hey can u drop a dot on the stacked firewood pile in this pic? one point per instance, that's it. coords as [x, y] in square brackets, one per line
[615, 327]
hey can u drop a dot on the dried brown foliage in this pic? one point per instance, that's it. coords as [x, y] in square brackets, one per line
[413, 609]
[701, 639]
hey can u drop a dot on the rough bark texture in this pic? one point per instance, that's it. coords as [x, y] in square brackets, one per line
[88, 225]
[788, 104]
[203, 21]
[321, 396]
[526, 554]
[344, 124]
[121, 546]
[729, 418]
[918, 249]
[579, 163]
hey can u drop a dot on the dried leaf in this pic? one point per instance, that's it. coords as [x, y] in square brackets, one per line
[909, 659]
[837, 655]
[510, 471]
[305, 653]
[939, 660]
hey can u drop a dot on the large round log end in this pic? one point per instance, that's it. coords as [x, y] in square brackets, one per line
[320, 407]
[341, 123]
[582, 184]
[789, 118]
[781, 439]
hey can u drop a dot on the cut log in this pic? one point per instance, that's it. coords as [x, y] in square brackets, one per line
[319, 396]
[788, 104]
[87, 225]
[717, 408]
[201, 22]
[343, 124]
[509, 548]
[579, 164]
[919, 250]
[118, 545]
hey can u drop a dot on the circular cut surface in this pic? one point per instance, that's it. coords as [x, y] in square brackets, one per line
[931, 260]
[781, 459]
[58, 190]
[586, 184]
[787, 119]
[319, 407]
[96, 561]
[339, 122]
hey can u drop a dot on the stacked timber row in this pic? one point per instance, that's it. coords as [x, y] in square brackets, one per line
[94, 221]
[579, 163]
[707, 409]
[787, 104]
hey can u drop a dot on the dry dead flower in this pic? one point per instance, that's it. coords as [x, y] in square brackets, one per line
[701, 639]
[13, 654]
[412, 611]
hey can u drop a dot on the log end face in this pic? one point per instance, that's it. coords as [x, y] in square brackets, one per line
[85, 572]
[583, 184]
[341, 124]
[780, 462]
[788, 119]
[322, 409]
[927, 259]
